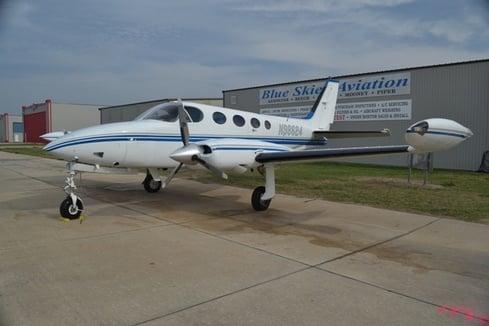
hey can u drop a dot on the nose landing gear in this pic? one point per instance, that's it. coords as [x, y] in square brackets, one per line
[69, 210]
[72, 206]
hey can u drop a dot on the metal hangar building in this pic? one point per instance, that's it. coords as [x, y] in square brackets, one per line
[393, 99]
[127, 112]
[11, 128]
[48, 116]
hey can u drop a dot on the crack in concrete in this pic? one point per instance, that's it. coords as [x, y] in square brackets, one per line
[379, 242]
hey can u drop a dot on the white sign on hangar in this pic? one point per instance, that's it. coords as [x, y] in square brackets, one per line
[350, 88]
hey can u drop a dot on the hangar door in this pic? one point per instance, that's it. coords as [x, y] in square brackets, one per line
[34, 126]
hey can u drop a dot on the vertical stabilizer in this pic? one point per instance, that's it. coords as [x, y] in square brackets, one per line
[323, 111]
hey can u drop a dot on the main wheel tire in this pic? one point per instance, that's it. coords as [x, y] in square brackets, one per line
[151, 185]
[256, 201]
[70, 211]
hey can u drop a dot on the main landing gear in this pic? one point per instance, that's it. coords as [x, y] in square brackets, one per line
[72, 207]
[262, 196]
[151, 184]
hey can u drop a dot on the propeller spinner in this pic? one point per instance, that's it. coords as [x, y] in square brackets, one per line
[190, 154]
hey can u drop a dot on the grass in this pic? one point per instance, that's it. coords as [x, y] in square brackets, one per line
[33, 150]
[455, 194]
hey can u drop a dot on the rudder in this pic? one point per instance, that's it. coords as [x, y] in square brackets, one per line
[323, 111]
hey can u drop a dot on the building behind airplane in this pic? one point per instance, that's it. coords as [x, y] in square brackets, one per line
[393, 99]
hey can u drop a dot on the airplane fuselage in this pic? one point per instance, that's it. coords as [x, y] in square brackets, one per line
[150, 142]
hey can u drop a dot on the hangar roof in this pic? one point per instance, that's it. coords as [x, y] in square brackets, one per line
[160, 100]
[361, 74]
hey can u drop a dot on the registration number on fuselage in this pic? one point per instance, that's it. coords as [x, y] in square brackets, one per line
[289, 130]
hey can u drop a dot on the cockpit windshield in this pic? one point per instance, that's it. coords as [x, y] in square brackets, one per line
[169, 112]
[164, 112]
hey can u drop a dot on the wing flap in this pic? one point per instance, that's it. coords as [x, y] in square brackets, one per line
[352, 134]
[323, 154]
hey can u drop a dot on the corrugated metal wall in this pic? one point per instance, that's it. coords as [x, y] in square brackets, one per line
[128, 112]
[70, 117]
[458, 91]
[3, 128]
[125, 112]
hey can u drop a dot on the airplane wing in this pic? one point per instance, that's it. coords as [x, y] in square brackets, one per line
[323, 154]
[351, 134]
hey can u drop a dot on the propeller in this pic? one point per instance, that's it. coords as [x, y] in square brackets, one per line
[183, 120]
[189, 153]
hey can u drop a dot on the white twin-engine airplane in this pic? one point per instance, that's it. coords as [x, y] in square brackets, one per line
[176, 134]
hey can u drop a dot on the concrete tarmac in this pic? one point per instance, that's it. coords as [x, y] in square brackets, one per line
[197, 254]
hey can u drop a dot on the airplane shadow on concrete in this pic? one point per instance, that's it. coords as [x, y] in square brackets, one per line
[180, 202]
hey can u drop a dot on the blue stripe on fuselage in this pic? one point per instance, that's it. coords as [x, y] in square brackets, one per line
[176, 138]
[444, 133]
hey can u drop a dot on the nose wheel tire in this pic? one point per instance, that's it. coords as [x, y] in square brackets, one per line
[256, 201]
[151, 185]
[69, 210]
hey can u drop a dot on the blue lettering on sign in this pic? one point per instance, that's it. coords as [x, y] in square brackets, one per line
[307, 90]
[273, 93]
[365, 86]
[379, 83]
[297, 91]
[266, 94]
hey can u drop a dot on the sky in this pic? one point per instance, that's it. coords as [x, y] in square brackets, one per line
[110, 52]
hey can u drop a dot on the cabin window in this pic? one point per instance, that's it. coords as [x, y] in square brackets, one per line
[267, 124]
[195, 114]
[238, 120]
[219, 117]
[255, 122]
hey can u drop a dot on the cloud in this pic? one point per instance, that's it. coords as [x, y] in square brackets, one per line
[16, 14]
[119, 51]
[317, 6]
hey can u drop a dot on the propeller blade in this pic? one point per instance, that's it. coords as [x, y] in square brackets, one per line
[211, 168]
[171, 175]
[189, 152]
[183, 119]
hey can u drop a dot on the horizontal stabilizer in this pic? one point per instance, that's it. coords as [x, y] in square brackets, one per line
[323, 154]
[352, 134]
[53, 135]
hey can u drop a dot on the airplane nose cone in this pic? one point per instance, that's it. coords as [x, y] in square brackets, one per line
[185, 154]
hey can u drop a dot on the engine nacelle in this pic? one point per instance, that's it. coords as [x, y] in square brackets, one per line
[433, 135]
[236, 154]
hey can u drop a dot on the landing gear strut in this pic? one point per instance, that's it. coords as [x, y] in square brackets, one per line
[262, 196]
[72, 207]
[150, 184]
